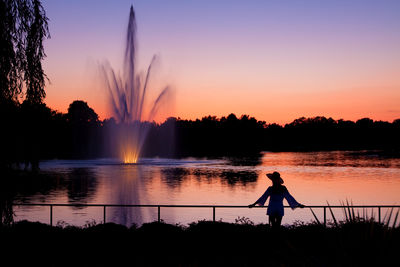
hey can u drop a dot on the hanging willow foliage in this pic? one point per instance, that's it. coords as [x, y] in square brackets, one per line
[23, 28]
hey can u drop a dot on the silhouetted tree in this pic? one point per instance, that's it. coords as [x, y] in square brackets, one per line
[365, 123]
[36, 120]
[11, 56]
[80, 112]
[23, 27]
[34, 74]
[85, 127]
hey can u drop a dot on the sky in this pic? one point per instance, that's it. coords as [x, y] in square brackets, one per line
[272, 59]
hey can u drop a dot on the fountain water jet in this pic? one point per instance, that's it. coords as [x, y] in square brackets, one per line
[128, 96]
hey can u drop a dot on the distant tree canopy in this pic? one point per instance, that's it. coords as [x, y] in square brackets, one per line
[80, 134]
[211, 136]
[80, 112]
[233, 136]
[84, 131]
[23, 28]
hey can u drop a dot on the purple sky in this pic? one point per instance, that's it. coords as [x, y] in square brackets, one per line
[275, 60]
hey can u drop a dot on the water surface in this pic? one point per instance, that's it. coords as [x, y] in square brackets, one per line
[314, 178]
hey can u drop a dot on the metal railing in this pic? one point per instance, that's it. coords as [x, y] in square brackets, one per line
[213, 207]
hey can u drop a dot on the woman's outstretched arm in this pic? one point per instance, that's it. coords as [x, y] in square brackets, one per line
[262, 199]
[292, 202]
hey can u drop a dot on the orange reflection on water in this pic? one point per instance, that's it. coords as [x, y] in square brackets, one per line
[313, 178]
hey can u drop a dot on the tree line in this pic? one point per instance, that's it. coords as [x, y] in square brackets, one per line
[36, 132]
[245, 135]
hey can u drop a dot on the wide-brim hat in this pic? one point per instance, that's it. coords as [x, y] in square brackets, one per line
[275, 177]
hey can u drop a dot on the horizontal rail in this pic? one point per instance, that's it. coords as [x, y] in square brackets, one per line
[195, 206]
[214, 207]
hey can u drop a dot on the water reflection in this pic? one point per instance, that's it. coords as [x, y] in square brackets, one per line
[174, 177]
[356, 159]
[81, 185]
[31, 188]
[242, 177]
[315, 177]
[245, 161]
[228, 176]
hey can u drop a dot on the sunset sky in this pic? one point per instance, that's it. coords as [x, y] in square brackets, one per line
[272, 59]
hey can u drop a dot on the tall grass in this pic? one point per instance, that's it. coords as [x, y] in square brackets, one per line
[351, 216]
[315, 216]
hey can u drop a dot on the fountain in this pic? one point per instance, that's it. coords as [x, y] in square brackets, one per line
[128, 96]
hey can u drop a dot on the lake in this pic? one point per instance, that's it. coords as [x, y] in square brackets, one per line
[313, 178]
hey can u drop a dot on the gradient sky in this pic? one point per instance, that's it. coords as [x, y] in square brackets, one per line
[272, 59]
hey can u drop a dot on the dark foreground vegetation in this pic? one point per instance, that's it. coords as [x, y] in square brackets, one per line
[361, 243]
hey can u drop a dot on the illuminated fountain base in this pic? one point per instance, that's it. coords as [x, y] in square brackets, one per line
[130, 158]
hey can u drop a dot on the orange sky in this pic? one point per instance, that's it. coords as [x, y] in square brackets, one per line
[272, 61]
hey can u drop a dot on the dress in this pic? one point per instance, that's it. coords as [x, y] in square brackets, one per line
[276, 196]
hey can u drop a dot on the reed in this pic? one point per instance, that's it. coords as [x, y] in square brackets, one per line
[395, 219]
[315, 217]
[351, 216]
[333, 215]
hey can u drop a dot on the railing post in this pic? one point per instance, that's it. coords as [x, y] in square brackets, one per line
[324, 216]
[379, 214]
[51, 215]
[104, 214]
[159, 214]
[1, 215]
[213, 213]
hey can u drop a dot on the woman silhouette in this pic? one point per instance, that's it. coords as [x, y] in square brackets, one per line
[276, 193]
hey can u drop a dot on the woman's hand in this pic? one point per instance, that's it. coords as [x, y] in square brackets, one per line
[301, 206]
[252, 205]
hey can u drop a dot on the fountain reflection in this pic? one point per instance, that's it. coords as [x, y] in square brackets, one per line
[130, 189]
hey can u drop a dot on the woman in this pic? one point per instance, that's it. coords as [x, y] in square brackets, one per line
[276, 193]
